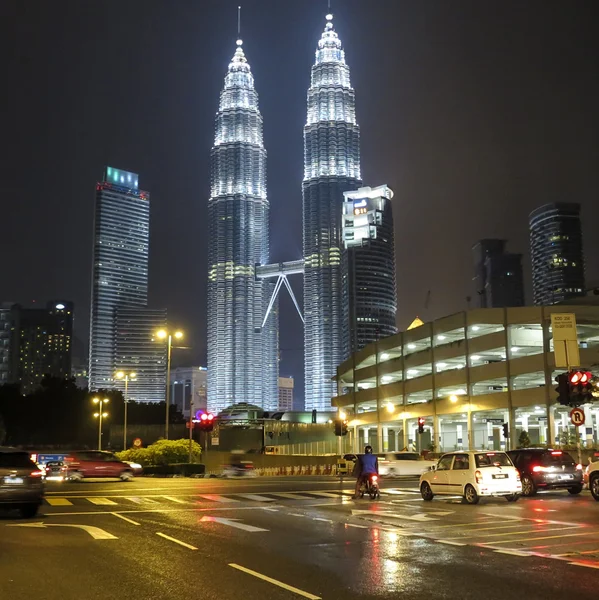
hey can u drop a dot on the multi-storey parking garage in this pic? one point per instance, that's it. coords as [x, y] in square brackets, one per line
[467, 375]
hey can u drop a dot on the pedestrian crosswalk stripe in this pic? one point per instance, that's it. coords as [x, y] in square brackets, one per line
[289, 495]
[59, 502]
[142, 500]
[101, 501]
[173, 499]
[255, 497]
[324, 494]
[217, 498]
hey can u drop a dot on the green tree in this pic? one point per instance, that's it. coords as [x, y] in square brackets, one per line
[523, 439]
[163, 452]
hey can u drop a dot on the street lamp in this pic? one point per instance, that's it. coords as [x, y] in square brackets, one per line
[101, 415]
[163, 334]
[127, 377]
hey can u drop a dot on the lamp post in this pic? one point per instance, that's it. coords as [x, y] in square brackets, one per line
[163, 334]
[101, 415]
[127, 377]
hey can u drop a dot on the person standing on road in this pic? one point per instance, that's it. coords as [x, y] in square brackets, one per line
[368, 464]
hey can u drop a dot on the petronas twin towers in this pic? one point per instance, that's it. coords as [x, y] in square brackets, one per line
[242, 332]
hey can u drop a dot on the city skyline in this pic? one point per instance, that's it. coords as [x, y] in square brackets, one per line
[450, 113]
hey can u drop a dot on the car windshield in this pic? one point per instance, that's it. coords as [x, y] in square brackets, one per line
[556, 458]
[15, 460]
[406, 456]
[492, 459]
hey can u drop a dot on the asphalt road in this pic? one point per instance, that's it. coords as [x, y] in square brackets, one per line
[285, 538]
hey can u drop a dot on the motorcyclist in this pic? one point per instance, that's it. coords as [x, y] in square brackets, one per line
[368, 464]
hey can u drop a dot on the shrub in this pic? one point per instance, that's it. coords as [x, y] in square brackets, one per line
[163, 452]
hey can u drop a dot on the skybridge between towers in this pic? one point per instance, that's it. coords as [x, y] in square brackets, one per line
[281, 271]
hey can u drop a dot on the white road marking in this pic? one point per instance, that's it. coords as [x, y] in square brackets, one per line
[156, 510]
[172, 539]
[420, 517]
[325, 495]
[233, 523]
[319, 519]
[125, 518]
[357, 526]
[217, 498]
[255, 497]
[142, 500]
[289, 496]
[512, 552]
[269, 509]
[95, 532]
[58, 502]
[101, 501]
[280, 584]
[450, 543]
[296, 515]
[173, 499]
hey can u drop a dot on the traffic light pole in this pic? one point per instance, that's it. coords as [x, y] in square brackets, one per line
[190, 428]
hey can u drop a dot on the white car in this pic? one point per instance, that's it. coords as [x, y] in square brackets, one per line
[593, 479]
[472, 474]
[394, 464]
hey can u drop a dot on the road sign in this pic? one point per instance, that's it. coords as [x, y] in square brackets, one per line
[493, 421]
[137, 443]
[189, 424]
[565, 340]
[214, 441]
[577, 416]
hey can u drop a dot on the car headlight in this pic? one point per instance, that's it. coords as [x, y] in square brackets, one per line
[135, 465]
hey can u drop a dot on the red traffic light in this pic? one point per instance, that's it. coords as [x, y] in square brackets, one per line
[203, 416]
[575, 377]
[582, 377]
[210, 416]
[421, 420]
[585, 377]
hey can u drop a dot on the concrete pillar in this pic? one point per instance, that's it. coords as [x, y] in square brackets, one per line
[460, 437]
[385, 438]
[470, 429]
[490, 439]
[436, 437]
[365, 436]
[379, 437]
[406, 435]
[588, 438]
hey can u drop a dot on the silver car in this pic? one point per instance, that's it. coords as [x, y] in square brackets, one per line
[21, 482]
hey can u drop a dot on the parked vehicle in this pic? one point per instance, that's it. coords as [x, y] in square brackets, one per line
[543, 469]
[593, 471]
[94, 463]
[401, 464]
[21, 482]
[472, 475]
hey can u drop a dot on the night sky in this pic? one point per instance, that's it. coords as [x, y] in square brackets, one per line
[473, 112]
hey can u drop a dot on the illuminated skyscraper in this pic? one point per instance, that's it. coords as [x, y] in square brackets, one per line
[120, 265]
[242, 355]
[331, 167]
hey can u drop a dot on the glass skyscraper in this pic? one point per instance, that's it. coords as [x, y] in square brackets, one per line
[331, 167]
[119, 268]
[242, 355]
[556, 253]
[369, 241]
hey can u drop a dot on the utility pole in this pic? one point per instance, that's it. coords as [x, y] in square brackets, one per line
[191, 424]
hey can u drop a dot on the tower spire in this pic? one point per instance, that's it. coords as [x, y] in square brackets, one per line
[239, 20]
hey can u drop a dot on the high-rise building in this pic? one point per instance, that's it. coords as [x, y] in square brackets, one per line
[120, 265]
[371, 291]
[189, 384]
[5, 327]
[498, 278]
[138, 350]
[40, 343]
[331, 167]
[242, 354]
[285, 394]
[556, 253]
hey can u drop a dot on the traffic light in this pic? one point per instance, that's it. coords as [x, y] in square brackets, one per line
[563, 389]
[580, 385]
[421, 422]
[206, 422]
[340, 427]
[506, 432]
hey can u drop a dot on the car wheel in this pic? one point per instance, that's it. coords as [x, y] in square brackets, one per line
[594, 486]
[126, 476]
[426, 492]
[512, 497]
[470, 495]
[28, 511]
[76, 476]
[575, 490]
[528, 486]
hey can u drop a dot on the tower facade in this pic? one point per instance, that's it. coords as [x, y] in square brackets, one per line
[331, 167]
[242, 355]
[119, 267]
[556, 253]
[371, 291]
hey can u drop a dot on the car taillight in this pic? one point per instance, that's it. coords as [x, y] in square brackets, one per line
[478, 476]
[517, 475]
[579, 467]
[556, 453]
[538, 469]
[35, 474]
[375, 478]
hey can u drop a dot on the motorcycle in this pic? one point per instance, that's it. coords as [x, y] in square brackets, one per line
[370, 487]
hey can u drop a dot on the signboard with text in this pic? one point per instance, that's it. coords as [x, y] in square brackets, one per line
[565, 340]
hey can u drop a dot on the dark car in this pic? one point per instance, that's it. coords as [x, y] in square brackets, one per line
[21, 482]
[542, 469]
[94, 463]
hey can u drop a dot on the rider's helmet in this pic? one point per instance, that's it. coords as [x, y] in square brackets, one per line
[368, 450]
